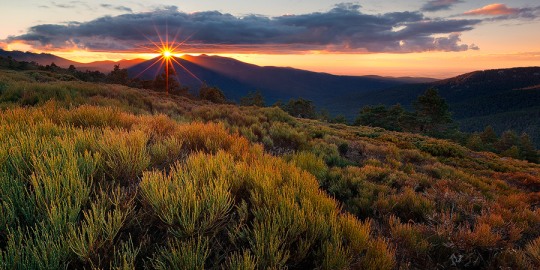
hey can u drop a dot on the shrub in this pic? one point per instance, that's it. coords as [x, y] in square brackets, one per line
[212, 94]
[440, 149]
[244, 261]
[283, 135]
[190, 199]
[410, 238]
[533, 250]
[39, 247]
[408, 205]
[125, 154]
[311, 163]
[98, 230]
[190, 254]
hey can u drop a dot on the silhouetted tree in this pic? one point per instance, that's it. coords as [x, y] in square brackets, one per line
[527, 150]
[339, 119]
[372, 116]
[512, 152]
[508, 139]
[280, 104]
[118, 75]
[11, 62]
[212, 94]
[324, 115]
[474, 142]
[301, 108]
[489, 138]
[160, 84]
[432, 113]
[52, 67]
[253, 99]
[395, 118]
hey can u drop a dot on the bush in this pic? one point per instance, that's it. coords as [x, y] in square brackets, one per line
[190, 200]
[212, 94]
[125, 154]
[311, 163]
[190, 254]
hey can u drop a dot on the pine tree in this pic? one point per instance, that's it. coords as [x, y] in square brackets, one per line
[212, 94]
[512, 152]
[527, 149]
[474, 142]
[118, 75]
[508, 139]
[489, 136]
[253, 99]
[160, 83]
[301, 108]
[432, 112]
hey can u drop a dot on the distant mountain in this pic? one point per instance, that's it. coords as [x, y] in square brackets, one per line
[503, 98]
[40, 58]
[47, 59]
[107, 66]
[237, 78]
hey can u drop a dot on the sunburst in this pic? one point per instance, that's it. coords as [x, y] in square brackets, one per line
[168, 53]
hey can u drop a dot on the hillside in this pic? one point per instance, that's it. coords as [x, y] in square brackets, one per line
[47, 59]
[237, 78]
[105, 176]
[503, 98]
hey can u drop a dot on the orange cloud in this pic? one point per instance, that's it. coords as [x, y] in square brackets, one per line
[493, 9]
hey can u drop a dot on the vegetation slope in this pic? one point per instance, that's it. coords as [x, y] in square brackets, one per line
[501, 98]
[96, 176]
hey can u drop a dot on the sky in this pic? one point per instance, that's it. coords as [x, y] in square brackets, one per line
[421, 38]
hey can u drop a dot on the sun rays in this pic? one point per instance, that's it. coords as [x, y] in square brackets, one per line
[168, 51]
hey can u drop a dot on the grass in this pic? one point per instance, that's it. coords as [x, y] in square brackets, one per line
[104, 176]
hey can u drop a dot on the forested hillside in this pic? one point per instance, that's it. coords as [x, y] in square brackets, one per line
[106, 176]
[503, 98]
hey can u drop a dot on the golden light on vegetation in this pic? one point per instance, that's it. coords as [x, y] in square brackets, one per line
[87, 168]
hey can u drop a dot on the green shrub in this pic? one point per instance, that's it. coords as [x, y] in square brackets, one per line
[311, 163]
[244, 261]
[190, 199]
[189, 255]
[125, 154]
[283, 135]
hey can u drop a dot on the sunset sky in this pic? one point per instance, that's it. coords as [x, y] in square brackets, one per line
[439, 38]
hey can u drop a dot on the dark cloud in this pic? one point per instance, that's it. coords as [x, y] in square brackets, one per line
[342, 29]
[118, 8]
[436, 5]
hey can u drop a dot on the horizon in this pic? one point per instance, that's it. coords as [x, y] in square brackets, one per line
[148, 57]
[417, 39]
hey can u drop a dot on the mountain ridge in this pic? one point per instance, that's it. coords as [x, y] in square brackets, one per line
[47, 59]
[237, 78]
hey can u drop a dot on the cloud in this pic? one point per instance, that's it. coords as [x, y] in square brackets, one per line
[436, 5]
[503, 12]
[70, 4]
[118, 8]
[342, 29]
[493, 9]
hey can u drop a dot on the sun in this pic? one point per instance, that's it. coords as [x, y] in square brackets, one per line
[167, 59]
[166, 53]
